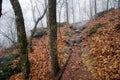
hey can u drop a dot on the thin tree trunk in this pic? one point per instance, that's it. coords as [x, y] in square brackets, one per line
[79, 10]
[33, 31]
[107, 4]
[22, 40]
[118, 3]
[46, 4]
[73, 11]
[59, 11]
[95, 7]
[0, 8]
[52, 27]
[90, 9]
[67, 15]
[33, 10]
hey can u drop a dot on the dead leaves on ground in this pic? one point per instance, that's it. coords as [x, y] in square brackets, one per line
[39, 59]
[103, 55]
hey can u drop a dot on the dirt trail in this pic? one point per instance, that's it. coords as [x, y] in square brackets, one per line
[75, 70]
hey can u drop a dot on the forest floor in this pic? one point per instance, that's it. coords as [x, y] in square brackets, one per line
[75, 70]
[39, 59]
[96, 57]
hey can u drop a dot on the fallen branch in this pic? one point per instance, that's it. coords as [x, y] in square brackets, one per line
[63, 68]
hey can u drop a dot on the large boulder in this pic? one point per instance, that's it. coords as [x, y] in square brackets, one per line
[39, 33]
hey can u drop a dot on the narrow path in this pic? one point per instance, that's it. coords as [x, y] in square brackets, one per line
[75, 70]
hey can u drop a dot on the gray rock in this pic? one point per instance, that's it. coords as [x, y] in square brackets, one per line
[78, 39]
[70, 42]
[39, 33]
[68, 50]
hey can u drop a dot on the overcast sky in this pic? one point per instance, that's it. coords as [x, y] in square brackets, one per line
[26, 8]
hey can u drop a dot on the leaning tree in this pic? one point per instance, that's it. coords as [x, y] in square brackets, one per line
[22, 39]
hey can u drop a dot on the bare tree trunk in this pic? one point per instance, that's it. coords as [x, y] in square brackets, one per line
[67, 15]
[118, 3]
[107, 5]
[59, 11]
[22, 40]
[0, 8]
[79, 10]
[33, 10]
[95, 7]
[52, 27]
[73, 11]
[90, 9]
[46, 4]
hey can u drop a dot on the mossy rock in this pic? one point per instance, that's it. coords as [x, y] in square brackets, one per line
[6, 71]
[5, 66]
[9, 56]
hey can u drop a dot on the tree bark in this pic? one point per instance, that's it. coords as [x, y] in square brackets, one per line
[73, 11]
[22, 40]
[79, 10]
[67, 14]
[0, 8]
[52, 27]
[118, 3]
[95, 7]
[107, 5]
[46, 4]
[91, 15]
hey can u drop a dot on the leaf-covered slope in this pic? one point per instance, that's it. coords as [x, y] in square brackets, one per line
[101, 49]
[39, 58]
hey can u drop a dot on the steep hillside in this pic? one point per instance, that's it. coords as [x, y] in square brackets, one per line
[39, 58]
[101, 46]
